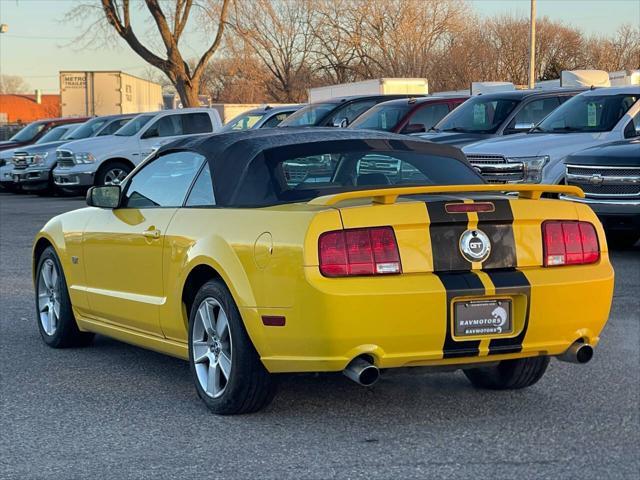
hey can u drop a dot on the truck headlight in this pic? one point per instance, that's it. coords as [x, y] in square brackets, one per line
[532, 167]
[84, 157]
[39, 158]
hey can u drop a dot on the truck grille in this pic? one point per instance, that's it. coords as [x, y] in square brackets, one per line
[605, 181]
[21, 160]
[496, 169]
[65, 158]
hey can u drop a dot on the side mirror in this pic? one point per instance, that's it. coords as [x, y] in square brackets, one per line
[523, 126]
[340, 122]
[151, 133]
[106, 196]
[414, 128]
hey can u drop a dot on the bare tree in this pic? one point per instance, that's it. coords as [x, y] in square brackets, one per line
[169, 26]
[621, 52]
[281, 35]
[13, 84]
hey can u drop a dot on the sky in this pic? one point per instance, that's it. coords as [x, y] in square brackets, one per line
[39, 43]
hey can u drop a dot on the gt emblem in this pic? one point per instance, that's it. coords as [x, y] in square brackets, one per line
[475, 245]
[596, 179]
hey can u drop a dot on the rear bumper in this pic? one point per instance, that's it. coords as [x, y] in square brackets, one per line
[406, 320]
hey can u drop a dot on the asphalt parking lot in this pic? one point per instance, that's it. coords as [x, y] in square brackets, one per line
[116, 411]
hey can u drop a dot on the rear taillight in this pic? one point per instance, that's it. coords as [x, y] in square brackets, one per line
[359, 251]
[569, 243]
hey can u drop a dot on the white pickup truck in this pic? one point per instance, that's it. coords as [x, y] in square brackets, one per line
[592, 118]
[108, 160]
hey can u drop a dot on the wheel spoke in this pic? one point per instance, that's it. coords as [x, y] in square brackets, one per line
[222, 324]
[200, 351]
[53, 319]
[225, 365]
[211, 379]
[205, 312]
[46, 274]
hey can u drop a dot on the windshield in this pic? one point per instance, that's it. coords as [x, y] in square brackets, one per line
[381, 117]
[478, 115]
[243, 122]
[134, 126]
[588, 113]
[309, 115]
[28, 133]
[55, 133]
[86, 130]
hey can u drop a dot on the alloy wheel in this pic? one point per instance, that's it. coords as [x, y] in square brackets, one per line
[211, 346]
[49, 296]
[114, 176]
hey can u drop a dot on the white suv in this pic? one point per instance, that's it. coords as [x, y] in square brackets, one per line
[592, 118]
[108, 160]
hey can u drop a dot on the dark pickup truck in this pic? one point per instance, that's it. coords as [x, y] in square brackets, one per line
[610, 177]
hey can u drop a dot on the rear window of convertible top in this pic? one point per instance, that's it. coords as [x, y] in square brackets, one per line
[300, 173]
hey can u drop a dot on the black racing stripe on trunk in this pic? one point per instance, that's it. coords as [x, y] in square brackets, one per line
[510, 282]
[456, 285]
[445, 230]
[498, 225]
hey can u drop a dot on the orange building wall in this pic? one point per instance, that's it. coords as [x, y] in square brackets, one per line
[24, 109]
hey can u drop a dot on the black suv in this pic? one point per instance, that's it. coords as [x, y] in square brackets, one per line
[610, 177]
[337, 112]
[495, 114]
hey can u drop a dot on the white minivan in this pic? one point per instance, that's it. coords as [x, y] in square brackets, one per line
[108, 160]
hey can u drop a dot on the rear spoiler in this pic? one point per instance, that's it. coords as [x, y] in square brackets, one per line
[388, 196]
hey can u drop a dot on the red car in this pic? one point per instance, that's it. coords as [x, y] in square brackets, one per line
[32, 132]
[413, 115]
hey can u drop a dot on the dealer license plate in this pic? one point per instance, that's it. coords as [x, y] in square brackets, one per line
[482, 317]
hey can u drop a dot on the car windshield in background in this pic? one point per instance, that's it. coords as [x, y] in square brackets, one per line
[381, 117]
[54, 134]
[243, 122]
[28, 132]
[588, 113]
[132, 127]
[87, 129]
[478, 115]
[302, 178]
[309, 115]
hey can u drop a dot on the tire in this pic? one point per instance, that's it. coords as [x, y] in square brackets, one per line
[107, 173]
[622, 240]
[508, 374]
[226, 369]
[54, 315]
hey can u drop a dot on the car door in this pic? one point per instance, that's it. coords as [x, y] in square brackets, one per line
[122, 248]
[425, 117]
[531, 113]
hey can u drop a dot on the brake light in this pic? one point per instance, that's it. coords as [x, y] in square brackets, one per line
[359, 251]
[469, 207]
[569, 243]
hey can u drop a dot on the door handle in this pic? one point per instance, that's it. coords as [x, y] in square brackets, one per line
[152, 233]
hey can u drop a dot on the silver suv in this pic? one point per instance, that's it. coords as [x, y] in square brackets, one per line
[108, 160]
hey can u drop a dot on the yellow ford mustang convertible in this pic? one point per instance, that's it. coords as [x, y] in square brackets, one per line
[288, 250]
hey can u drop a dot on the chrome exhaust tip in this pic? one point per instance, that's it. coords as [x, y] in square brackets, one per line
[362, 371]
[577, 353]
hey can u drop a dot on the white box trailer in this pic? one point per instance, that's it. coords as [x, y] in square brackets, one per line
[107, 93]
[584, 78]
[378, 86]
[624, 77]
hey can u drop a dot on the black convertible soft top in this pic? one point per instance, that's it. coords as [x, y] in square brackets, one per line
[232, 154]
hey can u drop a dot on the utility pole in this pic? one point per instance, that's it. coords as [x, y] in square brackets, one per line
[532, 46]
